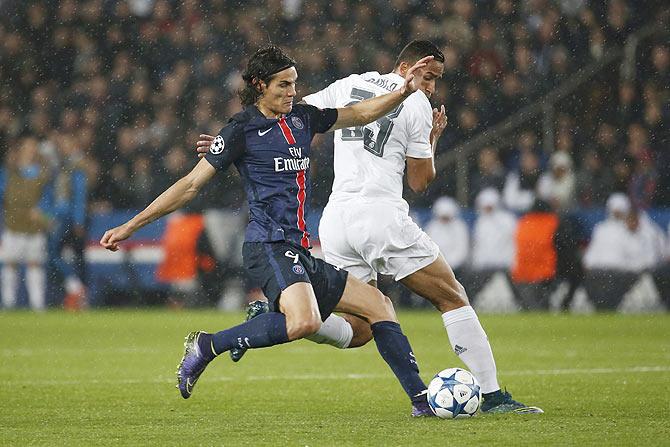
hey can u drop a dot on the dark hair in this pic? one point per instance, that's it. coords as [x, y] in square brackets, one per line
[418, 49]
[265, 63]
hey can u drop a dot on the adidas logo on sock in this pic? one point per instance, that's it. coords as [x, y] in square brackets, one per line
[459, 349]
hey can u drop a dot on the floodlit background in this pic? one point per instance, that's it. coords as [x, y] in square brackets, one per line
[101, 102]
[552, 196]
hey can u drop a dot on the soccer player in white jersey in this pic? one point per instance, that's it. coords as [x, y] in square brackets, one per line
[366, 229]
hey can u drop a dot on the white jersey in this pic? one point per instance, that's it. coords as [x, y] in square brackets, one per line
[370, 160]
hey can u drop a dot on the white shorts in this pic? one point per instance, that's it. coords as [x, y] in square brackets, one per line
[370, 238]
[23, 248]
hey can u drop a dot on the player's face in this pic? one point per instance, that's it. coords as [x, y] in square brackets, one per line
[428, 75]
[279, 93]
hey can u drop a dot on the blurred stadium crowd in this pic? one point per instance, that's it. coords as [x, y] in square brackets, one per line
[107, 97]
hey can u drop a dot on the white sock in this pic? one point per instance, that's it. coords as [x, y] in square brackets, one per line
[36, 281]
[470, 343]
[335, 331]
[9, 286]
[73, 284]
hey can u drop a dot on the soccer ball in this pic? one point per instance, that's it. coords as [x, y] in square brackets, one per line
[454, 393]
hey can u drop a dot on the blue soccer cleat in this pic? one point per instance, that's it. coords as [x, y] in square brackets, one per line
[254, 309]
[502, 402]
[192, 364]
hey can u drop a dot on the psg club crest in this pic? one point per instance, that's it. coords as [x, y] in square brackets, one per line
[217, 145]
[297, 269]
[297, 122]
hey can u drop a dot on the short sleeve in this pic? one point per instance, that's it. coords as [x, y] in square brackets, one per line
[327, 98]
[228, 146]
[320, 120]
[322, 98]
[420, 119]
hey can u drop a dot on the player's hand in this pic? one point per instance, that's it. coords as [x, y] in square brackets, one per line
[110, 240]
[410, 86]
[439, 123]
[203, 144]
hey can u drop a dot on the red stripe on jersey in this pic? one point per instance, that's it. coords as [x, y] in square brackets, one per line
[302, 194]
[286, 131]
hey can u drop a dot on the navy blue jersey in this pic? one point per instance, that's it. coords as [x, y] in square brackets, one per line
[272, 156]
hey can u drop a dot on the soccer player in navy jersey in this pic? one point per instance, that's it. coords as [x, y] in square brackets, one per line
[269, 144]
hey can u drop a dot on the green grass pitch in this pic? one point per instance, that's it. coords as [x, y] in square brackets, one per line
[107, 378]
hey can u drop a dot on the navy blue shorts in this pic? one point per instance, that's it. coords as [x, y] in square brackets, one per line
[273, 266]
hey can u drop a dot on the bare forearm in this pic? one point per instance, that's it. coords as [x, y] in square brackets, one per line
[372, 109]
[433, 142]
[172, 199]
[430, 171]
[369, 110]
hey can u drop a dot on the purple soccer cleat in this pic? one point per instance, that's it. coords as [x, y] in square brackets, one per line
[192, 364]
[420, 407]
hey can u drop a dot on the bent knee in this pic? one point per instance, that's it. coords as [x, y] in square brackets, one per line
[303, 328]
[388, 306]
[383, 309]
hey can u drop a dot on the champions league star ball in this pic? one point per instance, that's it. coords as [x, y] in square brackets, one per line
[454, 393]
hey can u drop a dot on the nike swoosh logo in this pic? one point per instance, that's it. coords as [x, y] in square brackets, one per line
[260, 134]
[189, 385]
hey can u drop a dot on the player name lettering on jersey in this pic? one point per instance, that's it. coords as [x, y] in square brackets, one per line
[291, 164]
[388, 141]
[383, 83]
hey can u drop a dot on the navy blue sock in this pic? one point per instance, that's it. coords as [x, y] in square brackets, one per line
[264, 330]
[396, 351]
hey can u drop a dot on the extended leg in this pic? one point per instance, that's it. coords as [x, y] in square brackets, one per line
[437, 284]
[371, 305]
[342, 331]
[299, 318]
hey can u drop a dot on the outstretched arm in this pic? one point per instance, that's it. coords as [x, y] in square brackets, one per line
[173, 198]
[367, 111]
[358, 114]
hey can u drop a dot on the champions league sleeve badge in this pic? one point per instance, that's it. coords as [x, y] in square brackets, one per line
[217, 145]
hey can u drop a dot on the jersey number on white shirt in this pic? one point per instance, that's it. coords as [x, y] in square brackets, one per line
[373, 145]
